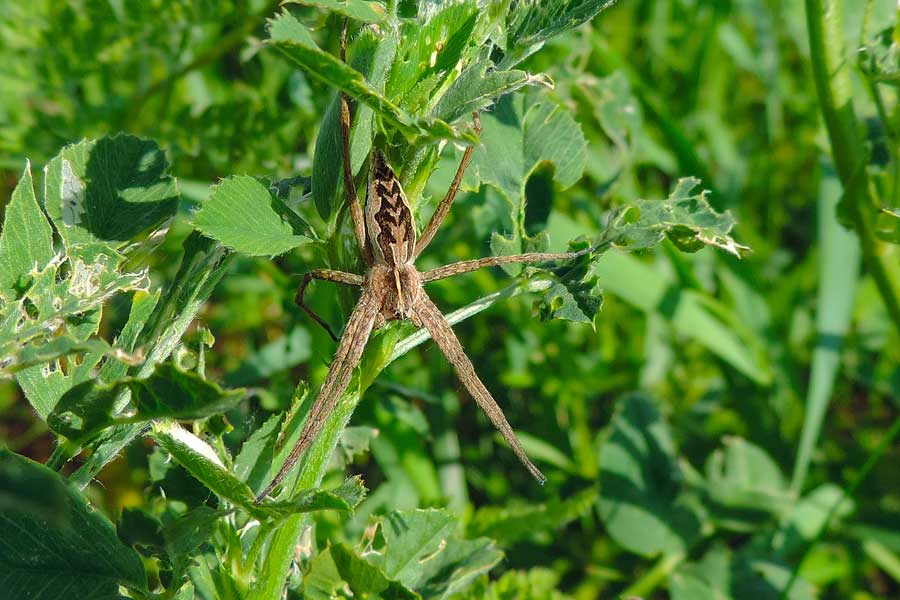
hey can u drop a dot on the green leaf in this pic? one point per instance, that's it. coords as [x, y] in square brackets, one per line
[371, 55]
[339, 566]
[531, 22]
[169, 392]
[685, 218]
[254, 461]
[360, 10]
[65, 299]
[26, 241]
[60, 546]
[838, 270]
[202, 267]
[421, 551]
[239, 214]
[574, 293]
[535, 584]
[880, 57]
[743, 479]
[290, 37]
[431, 48]
[185, 534]
[109, 190]
[421, 547]
[827, 504]
[478, 86]
[519, 135]
[508, 525]
[42, 353]
[723, 574]
[203, 463]
[642, 496]
[344, 498]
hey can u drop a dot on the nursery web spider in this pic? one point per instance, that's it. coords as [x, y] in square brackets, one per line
[392, 289]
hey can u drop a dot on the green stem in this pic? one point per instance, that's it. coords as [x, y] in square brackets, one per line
[833, 86]
[655, 576]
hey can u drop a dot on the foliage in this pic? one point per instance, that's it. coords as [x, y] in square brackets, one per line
[714, 422]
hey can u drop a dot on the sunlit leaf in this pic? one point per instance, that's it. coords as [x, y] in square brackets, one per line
[372, 55]
[26, 243]
[290, 37]
[519, 135]
[202, 462]
[743, 480]
[422, 546]
[344, 498]
[431, 47]
[532, 22]
[508, 525]
[574, 294]
[109, 190]
[240, 215]
[685, 218]
[480, 85]
[361, 10]
[339, 567]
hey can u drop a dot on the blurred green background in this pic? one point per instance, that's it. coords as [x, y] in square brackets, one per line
[724, 349]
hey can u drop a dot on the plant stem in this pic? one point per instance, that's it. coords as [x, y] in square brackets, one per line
[655, 576]
[833, 86]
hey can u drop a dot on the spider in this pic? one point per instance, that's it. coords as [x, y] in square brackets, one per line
[393, 289]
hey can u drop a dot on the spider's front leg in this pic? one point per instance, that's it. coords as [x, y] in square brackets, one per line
[324, 275]
[440, 213]
[359, 228]
[466, 266]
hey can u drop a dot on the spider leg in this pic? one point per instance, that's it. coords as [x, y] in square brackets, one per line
[466, 266]
[359, 228]
[441, 332]
[324, 275]
[346, 359]
[443, 208]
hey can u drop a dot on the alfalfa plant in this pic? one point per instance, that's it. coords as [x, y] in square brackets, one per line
[415, 74]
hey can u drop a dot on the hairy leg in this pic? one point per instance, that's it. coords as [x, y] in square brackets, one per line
[441, 332]
[324, 275]
[346, 359]
[443, 208]
[359, 228]
[466, 266]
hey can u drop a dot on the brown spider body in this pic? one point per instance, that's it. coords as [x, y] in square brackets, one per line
[391, 235]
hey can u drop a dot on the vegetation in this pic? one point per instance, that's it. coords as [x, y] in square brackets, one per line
[714, 422]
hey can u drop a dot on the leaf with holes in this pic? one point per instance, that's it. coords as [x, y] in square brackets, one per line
[685, 218]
